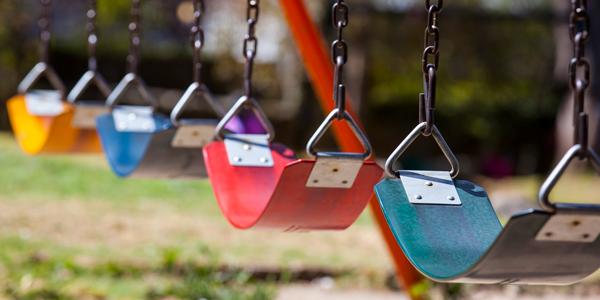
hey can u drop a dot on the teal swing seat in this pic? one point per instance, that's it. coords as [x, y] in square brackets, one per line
[466, 243]
[449, 230]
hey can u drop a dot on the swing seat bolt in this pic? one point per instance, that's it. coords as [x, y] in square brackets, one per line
[247, 147]
[264, 160]
[237, 158]
[451, 198]
[418, 197]
[429, 183]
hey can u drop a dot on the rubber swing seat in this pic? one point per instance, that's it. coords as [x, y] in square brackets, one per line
[49, 135]
[466, 243]
[277, 197]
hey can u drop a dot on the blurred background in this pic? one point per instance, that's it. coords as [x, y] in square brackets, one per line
[71, 230]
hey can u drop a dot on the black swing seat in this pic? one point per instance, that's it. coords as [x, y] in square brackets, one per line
[465, 242]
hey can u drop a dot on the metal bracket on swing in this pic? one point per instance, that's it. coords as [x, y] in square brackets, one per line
[334, 172]
[194, 134]
[570, 228]
[248, 150]
[429, 187]
[43, 103]
[129, 118]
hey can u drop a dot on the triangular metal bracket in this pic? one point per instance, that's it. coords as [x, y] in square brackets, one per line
[411, 138]
[89, 78]
[360, 135]
[39, 70]
[195, 90]
[129, 80]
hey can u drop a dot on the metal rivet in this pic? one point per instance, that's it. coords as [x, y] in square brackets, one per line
[451, 198]
[335, 170]
[418, 197]
[237, 158]
[344, 181]
[548, 234]
[316, 181]
[247, 147]
[576, 223]
[586, 235]
[428, 183]
[263, 160]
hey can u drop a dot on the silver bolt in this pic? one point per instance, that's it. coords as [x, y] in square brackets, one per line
[418, 197]
[263, 160]
[451, 198]
[237, 158]
[428, 183]
[247, 147]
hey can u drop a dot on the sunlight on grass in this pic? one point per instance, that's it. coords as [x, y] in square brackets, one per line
[84, 178]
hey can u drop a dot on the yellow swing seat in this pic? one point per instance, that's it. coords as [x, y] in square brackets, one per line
[53, 133]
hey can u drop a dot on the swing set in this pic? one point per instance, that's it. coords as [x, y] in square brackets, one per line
[446, 229]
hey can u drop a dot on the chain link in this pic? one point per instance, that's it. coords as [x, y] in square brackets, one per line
[197, 39]
[430, 64]
[134, 37]
[579, 69]
[250, 44]
[44, 25]
[92, 38]
[339, 54]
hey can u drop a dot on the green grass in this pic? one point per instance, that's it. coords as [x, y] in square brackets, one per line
[87, 177]
[43, 270]
[42, 259]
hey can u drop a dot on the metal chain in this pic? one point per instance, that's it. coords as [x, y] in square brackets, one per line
[197, 39]
[430, 59]
[44, 25]
[250, 44]
[134, 37]
[92, 36]
[339, 55]
[579, 69]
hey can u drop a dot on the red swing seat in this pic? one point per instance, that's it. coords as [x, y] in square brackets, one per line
[283, 196]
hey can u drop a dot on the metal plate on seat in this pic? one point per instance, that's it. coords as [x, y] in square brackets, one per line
[570, 228]
[248, 150]
[86, 112]
[194, 135]
[134, 119]
[430, 187]
[334, 172]
[44, 103]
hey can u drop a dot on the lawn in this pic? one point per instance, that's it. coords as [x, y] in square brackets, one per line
[70, 229]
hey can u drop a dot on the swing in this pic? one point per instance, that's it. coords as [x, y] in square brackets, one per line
[41, 121]
[261, 184]
[86, 111]
[448, 228]
[141, 142]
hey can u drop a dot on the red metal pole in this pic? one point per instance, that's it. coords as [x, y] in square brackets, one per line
[319, 68]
